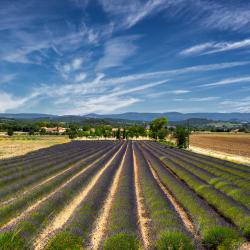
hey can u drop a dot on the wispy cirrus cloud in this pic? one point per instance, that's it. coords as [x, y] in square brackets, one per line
[129, 12]
[116, 51]
[92, 97]
[204, 99]
[178, 71]
[242, 105]
[72, 66]
[209, 14]
[80, 77]
[10, 102]
[7, 78]
[228, 81]
[215, 47]
[170, 92]
[231, 16]
[198, 99]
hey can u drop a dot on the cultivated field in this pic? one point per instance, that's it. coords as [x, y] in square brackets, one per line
[235, 144]
[122, 195]
[22, 144]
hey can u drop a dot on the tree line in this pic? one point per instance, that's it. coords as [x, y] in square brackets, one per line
[156, 129]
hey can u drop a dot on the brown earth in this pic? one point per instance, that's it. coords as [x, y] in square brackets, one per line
[235, 144]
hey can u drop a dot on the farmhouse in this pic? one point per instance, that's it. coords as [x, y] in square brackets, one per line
[54, 130]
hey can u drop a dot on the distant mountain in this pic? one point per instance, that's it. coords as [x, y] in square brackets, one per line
[134, 116]
[25, 115]
[175, 116]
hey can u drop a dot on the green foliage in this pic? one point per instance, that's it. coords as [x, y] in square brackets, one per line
[168, 143]
[121, 241]
[157, 128]
[135, 131]
[31, 132]
[43, 131]
[118, 134]
[10, 132]
[246, 231]
[173, 241]
[181, 135]
[221, 238]
[72, 134]
[162, 133]
[11, 240]
[65, 241]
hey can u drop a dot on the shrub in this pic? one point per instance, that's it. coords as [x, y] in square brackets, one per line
[10, 132]
[173, 241]
[65, 241]
[182, 137]
[11, 240]
[221, 238]
[246, 231]
[121, 241]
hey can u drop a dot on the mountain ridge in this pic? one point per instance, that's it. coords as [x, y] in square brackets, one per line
[137, 116]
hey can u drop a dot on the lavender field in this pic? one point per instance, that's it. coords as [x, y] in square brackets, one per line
[123, 195]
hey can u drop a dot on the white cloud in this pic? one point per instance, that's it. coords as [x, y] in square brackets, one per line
[76, 63]
[7, 78]
[225, 16]
[180, 71]
[103, 104]
[67, 68]
[227, 81]
[179, 91]
[93, 96]
[80, 77]
[204, 99]
[170, 92]
[215, 47]
[198, 99]
[104, 94]
[109, 102]
[242, 105]
[9, 102]
[210, 14]
[116, 51]
[129, 12]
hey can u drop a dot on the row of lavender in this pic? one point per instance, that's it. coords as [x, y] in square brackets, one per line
[201, 187]
[39, 202]
[222, 195]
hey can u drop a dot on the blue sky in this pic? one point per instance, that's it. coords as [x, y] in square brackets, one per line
[112, 56]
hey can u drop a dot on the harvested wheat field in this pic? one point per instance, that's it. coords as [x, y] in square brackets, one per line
[20, 145]
[122, 195]
[235, 144]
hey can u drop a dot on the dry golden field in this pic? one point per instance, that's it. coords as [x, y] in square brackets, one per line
[20, 145]
[236, 144]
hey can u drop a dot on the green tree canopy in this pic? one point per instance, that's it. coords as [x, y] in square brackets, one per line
[157, 126]
[182, 135]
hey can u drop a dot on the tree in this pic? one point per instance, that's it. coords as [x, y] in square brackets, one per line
[31, 132]
[134, 131]
[10, 132]
[118, 133]
[72, 134]
[124, 134]
[182, 136]
[43, 131]
[162, 133]
[156, 127]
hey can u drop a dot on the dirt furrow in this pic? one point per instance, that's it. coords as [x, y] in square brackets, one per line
[101, 222]
[187, 222]
[141, 210]
[68, 211]
[22, 215]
